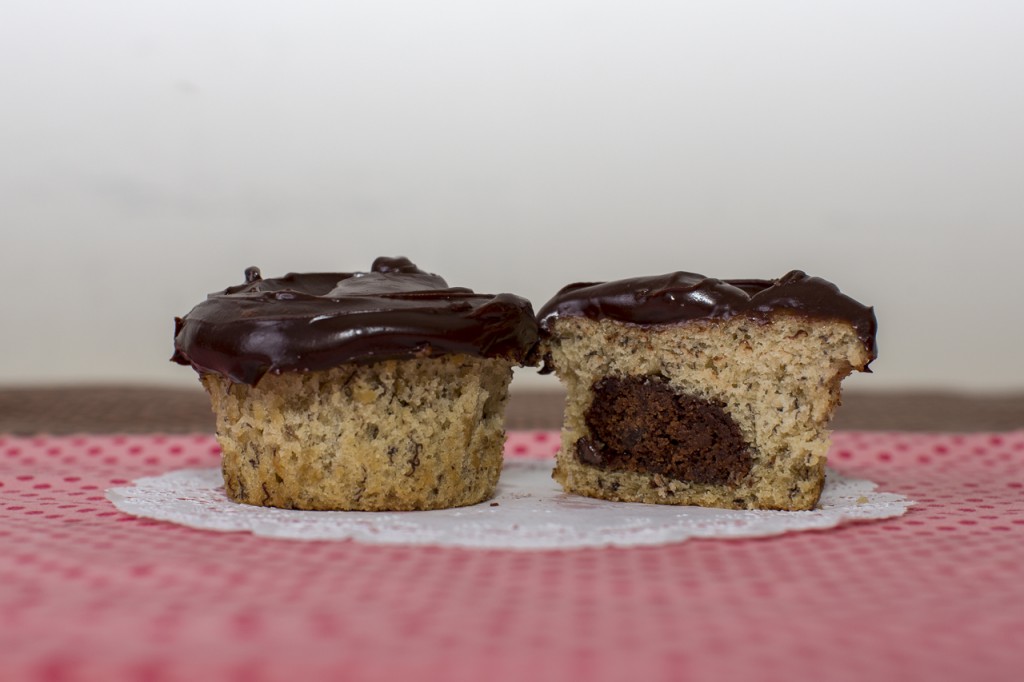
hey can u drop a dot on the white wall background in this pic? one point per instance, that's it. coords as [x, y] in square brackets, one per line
[149, 152]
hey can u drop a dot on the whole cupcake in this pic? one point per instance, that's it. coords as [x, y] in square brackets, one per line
[379, 390]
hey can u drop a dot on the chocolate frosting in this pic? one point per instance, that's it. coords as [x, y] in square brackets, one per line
[315, 321]
[681, 297]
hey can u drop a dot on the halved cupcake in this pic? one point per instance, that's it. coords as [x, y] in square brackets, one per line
[688, 390]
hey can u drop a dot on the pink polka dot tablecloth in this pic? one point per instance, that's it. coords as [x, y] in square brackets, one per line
[90, 593]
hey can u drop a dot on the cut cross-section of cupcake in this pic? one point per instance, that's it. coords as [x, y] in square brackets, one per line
[379, 390]
[688, 390]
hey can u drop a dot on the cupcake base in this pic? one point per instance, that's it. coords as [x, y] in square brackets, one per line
[724, 413]
[388, 436]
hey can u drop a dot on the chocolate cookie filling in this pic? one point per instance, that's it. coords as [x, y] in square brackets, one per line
[316, 321]
[641, 424]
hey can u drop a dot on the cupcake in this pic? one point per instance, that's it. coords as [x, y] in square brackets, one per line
[695, 391]
[379, 390]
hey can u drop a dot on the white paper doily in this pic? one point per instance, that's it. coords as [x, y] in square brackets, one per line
[531, 512]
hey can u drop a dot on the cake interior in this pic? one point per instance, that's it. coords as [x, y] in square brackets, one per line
[392, 435]
[725, 413]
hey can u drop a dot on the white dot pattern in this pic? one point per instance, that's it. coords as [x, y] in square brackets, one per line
[87, 592]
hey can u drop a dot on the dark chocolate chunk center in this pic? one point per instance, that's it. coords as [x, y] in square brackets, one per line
[641, 424]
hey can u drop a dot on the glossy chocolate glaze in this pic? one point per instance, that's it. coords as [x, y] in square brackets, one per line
[681, 297]
[315, 321]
